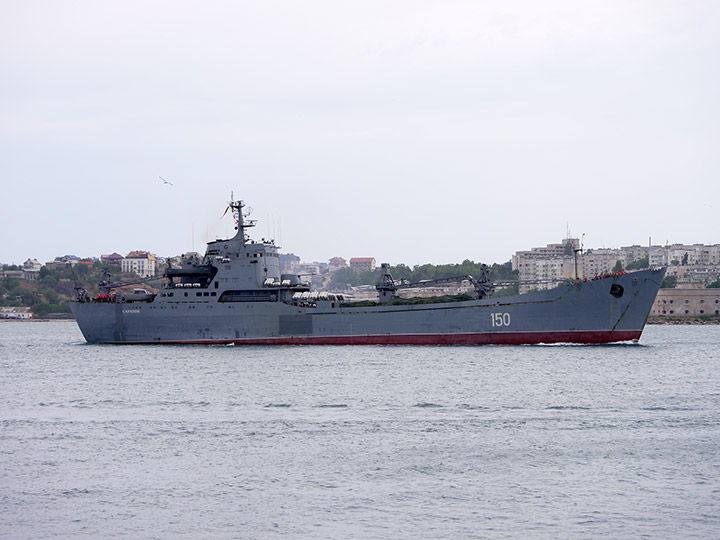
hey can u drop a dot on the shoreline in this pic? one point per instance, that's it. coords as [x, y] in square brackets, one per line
[689, 321]
[653, 320]
[38, 320]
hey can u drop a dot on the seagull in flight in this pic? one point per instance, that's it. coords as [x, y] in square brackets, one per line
[165, 181]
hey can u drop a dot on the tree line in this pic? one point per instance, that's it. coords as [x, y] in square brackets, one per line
[55, 287]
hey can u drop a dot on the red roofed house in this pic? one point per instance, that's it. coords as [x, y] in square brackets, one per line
[360, 264]
[336, 263]
[114, 258]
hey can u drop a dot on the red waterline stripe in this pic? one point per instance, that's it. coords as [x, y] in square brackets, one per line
[504, 338]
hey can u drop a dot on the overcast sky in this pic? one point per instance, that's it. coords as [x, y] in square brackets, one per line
[408, 131]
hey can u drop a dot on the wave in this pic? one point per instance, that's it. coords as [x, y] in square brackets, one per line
[428, 405]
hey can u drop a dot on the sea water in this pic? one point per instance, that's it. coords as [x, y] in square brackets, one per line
[615, 441]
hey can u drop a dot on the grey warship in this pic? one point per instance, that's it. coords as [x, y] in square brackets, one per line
[237, 295]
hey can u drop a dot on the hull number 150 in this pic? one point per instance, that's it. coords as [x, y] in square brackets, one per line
[500, 319]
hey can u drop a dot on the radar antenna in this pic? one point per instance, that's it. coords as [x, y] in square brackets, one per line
[241, 221]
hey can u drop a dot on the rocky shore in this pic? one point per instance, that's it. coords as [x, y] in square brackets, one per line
[714, 319]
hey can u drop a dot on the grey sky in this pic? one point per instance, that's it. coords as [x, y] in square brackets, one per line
[409, 131]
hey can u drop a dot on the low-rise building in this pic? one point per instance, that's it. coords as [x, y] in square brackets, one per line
[361, 264]
[289, 263]
[113, 258]
[310, 268]
[31, 269]
[140, 262]
[686, 302]
[32, 265]
[72, 260]
[19, 313]
[336, 263]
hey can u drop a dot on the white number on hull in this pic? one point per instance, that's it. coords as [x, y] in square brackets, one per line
[500, 319]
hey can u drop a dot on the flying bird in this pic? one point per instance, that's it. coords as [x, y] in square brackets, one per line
[165, 181]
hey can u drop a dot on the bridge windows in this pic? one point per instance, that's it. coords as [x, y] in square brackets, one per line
[258, 295]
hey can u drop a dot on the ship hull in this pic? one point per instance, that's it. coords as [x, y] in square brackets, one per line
[608, 310]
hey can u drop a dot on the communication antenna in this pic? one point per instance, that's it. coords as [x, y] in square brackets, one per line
[576, 251]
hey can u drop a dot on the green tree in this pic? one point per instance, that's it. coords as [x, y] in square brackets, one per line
[49, 280]
[507, 291]
[685, 259]
[10, 283]
[343, 278]
[714, 285]
[503, 272]
[43, 309]
[50, 295]
[367, 277]
[669, 282]
[640, 263]
[401, 271]
[618, 266]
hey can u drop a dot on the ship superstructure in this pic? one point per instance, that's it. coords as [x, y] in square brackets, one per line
[237, 294]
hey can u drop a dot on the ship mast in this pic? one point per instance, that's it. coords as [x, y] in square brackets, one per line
[241, 223]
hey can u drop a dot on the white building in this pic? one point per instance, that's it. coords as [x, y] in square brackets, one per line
[140, 262]
[544, 267]
[602, 261]
[31, 269]
[21, 313]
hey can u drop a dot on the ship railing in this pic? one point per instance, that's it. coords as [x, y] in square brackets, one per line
[310, 299]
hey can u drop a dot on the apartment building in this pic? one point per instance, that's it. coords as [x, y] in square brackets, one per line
[543, 267]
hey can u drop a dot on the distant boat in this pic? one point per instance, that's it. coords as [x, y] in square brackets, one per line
[237, 295]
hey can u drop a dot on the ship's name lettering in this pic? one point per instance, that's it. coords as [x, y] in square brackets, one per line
[500, 319]
[131, 311]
